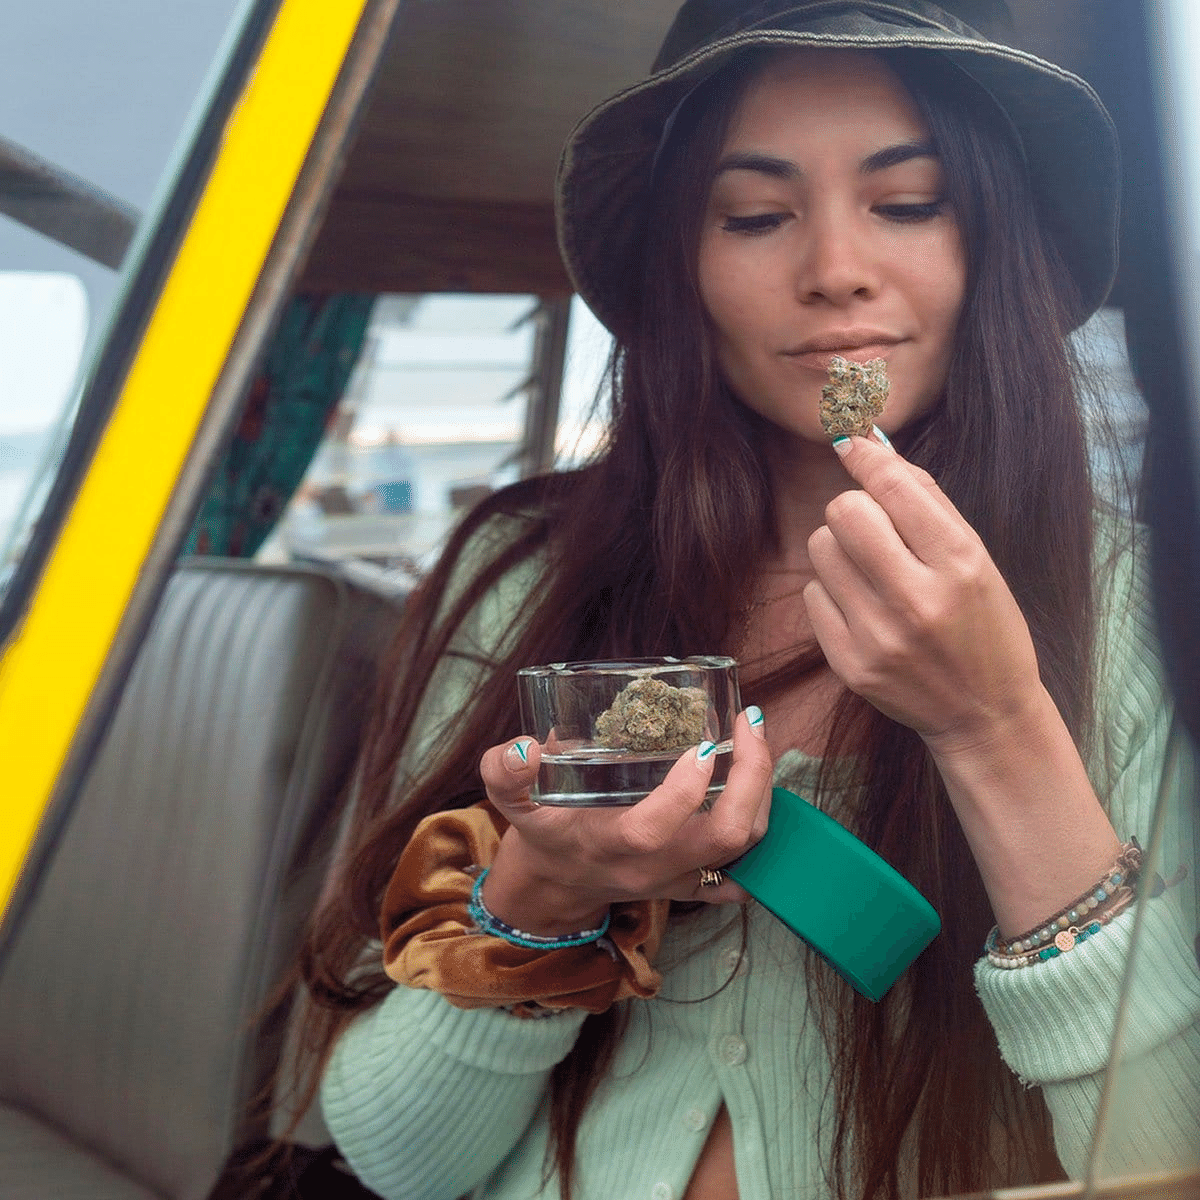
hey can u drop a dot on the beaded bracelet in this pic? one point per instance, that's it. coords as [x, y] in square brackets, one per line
[1065, 940]
[487, 922]
[1122, 873]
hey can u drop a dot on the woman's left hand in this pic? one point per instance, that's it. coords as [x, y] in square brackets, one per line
[911, 611]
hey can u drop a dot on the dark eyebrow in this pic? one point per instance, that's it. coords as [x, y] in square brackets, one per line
[764, 164]
[782, 168]
[893, 156]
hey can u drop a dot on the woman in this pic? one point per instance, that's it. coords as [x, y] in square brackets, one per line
[918, 623]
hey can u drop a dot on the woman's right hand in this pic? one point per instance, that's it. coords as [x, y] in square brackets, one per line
[558, 869]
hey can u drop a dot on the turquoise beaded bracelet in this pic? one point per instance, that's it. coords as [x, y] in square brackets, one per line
[1065, 940]
[1081, 919]
[487, 922]
[1123, 873]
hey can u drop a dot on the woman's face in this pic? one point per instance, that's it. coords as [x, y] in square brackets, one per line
[827, 232]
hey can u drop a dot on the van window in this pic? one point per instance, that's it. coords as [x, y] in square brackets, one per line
[439, 412]
[43, 327]
[94, 99]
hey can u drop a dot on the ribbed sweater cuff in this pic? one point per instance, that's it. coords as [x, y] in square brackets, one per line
[1054, 1021]
[491, 1038]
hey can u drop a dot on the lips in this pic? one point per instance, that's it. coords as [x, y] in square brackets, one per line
[858, 345]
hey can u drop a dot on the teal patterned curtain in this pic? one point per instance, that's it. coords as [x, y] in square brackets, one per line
[306, 369]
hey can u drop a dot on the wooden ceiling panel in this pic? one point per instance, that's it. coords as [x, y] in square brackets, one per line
[476, 98]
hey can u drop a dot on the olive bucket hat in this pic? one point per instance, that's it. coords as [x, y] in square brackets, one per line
[1066, 135]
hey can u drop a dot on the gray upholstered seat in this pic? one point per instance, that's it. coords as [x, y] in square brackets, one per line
[126, 1051]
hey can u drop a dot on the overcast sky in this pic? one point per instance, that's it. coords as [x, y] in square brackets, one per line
[103, 88]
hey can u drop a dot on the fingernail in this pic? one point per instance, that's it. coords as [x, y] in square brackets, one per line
[882, 437]
[754, 715]
[841, 445]
[705, 751]
[516, 757]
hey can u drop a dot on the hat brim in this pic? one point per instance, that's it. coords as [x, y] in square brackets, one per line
[1068, 138]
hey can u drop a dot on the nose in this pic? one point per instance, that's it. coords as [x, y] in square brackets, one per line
[835, 263]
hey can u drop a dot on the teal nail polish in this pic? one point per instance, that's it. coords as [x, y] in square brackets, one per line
[882, 437]
[841, 444]
[754, 715]
[516, 757]
[705, 751]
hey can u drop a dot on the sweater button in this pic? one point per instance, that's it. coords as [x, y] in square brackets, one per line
[695, 1120]
[733, 1049]
[734, 962]
[662, 1191]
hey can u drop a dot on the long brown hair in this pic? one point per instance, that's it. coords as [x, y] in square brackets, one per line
[649, 551]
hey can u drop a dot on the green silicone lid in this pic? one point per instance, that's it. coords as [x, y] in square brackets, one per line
[826, 886]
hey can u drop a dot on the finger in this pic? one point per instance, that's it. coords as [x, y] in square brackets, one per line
[830, 628]
[855, 577]
[751, 767]
[508, 771]
[762, 817]
[920, 511]
[756, 723]
[653, 822]
[737, 819]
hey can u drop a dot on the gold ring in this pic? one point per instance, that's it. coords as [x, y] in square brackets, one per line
[711, 877]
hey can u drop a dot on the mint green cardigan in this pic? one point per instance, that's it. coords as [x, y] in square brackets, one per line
[429, 1101]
